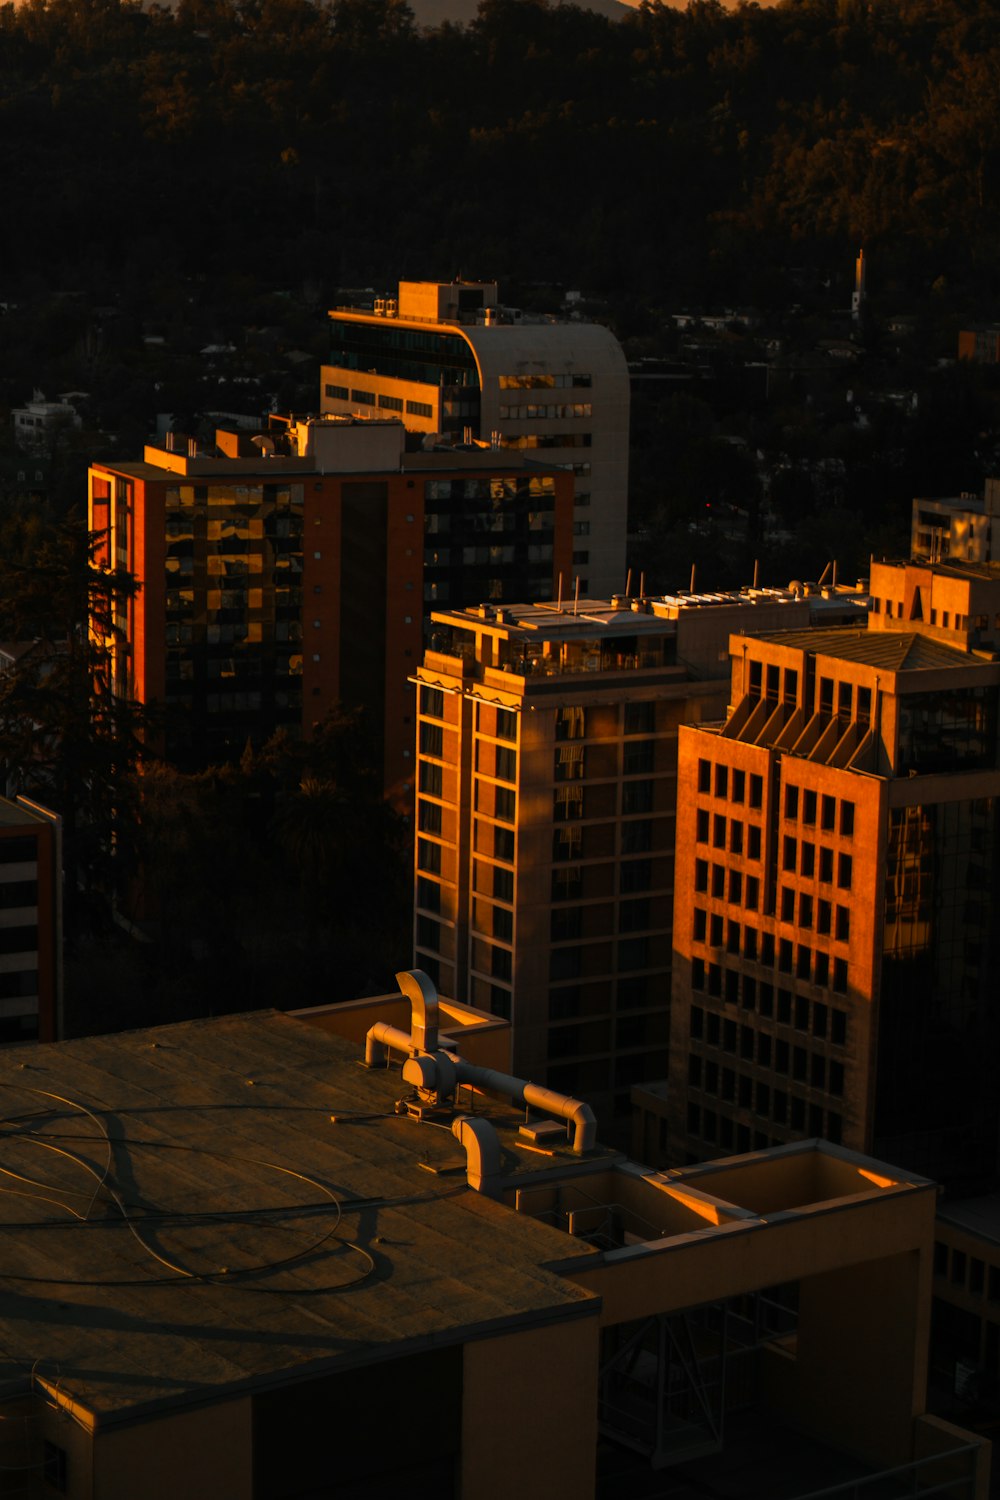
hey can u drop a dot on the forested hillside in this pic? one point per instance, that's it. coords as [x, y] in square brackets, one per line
[705, 149]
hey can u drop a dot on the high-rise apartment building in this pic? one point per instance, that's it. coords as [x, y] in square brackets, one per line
[838, 855]
[283, 573]
[446, 357]
[546, 781]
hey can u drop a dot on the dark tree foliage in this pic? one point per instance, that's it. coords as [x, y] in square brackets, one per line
[695, 148]
[65, 739]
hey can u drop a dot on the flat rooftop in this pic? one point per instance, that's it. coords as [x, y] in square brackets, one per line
[182, 1220]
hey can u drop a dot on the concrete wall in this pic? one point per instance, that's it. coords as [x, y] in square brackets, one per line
[207, 1452]
[529, 1413]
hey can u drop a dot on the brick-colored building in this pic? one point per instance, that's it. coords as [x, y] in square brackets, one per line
[547, 754]
[281, 574]
[838, 834]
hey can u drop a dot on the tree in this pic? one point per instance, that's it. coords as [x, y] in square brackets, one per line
[65, 737]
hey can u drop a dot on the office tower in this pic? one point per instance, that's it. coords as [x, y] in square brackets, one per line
[446, 357]
[837, 858]
[284, 573]
[547, 742]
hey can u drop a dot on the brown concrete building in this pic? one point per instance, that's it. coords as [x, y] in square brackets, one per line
[834, 935]
[963, 528]
[282, 574]
[547, 753]
[249, 1269]
[448, 357]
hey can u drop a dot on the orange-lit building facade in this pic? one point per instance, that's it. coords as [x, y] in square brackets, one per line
[546, 788]
[839, 835]
[448, 357]
[278, 579]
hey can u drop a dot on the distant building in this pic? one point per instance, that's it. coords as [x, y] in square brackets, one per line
[838, 868]
[966, 528]
[37, 423]
[546, 784]
[284, 573]
[371, 1274]
[981, 343]
[446, 357]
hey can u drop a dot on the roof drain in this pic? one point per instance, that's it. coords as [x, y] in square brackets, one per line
[441, 1070]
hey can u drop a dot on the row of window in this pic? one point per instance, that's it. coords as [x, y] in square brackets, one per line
[715, 931]
[812, 966]
[821, 1020]
[776, 1105]
[814, 1069]
[966, 1271]
[568, 409]
[730, 783]
[544, 382]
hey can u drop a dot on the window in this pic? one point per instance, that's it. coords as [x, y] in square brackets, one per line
[843, 924]
[431, 778]
[429, 817]
[701, 825]
[847, 819]
[569, 762]
[809, 807]
[569, 723]
[753, 841]
[704, 776]
[54, 1467]
[828, 813]
[503, 844]
[638, 759]
[637, 797]
[844, 868]
[431, 740]
[568, 802]
[640, 718]
[504, 805]
[506, 764]
[506, 725]
[791, 801]
[739, 786]
[428, 856]
[721, 781]
[756, 791]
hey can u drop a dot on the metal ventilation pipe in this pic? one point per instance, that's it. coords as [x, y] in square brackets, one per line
[419, 988]
[441, 1070]
[574, 1111]
[482, 1153]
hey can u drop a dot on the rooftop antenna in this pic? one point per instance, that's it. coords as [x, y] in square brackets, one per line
[642, 585]
[559, 599]
[822, 578]
[756, 571]
[628, 583]
[576, 595]
[694, 569]
[834, 579]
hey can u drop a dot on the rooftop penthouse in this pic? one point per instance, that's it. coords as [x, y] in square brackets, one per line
[679, 632]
